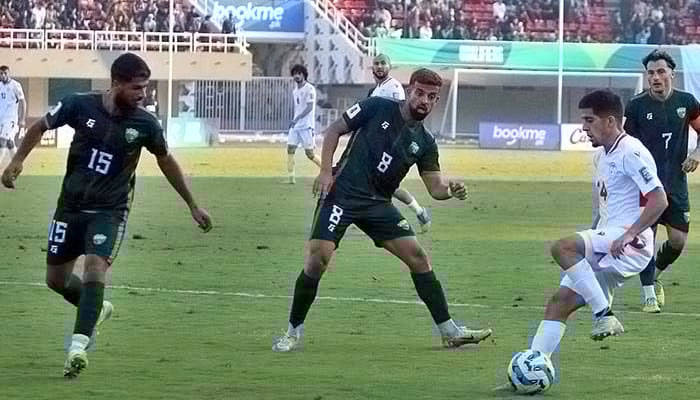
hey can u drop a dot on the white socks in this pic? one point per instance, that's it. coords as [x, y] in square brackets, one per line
[290, 165]
[3, 151]
[548, 336]
[649, 292]
[448, 328]
[79, 342]
[415, 207]
[292, 331]
[587, 286]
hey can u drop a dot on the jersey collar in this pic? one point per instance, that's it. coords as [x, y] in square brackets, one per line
[616, 143]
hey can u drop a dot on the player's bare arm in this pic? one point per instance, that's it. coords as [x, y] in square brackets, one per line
[22, 113]
[691, 163]
[655, 206]
[31, 139]
[441, 188]
[172, 171]
[331, 137]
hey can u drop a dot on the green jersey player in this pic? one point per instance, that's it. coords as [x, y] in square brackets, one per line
[660, 117]
[389, 138]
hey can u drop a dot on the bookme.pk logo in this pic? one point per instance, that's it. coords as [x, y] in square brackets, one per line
[248, 12]
[512, 135]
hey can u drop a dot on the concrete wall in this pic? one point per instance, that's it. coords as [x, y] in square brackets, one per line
[85, 64]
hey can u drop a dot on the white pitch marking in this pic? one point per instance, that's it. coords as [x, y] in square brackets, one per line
[329, 298]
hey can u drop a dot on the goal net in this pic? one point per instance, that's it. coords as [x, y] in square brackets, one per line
[488, 96]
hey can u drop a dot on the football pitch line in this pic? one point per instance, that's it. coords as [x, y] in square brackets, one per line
[322, 298]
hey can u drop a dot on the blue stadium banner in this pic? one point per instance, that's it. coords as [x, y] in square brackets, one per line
[264, 19]
[497, 135]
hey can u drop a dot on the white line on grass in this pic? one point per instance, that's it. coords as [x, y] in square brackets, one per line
[329, 298]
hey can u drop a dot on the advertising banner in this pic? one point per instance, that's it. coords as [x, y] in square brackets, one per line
[497, 135]
[592, 57]
[271, 19]
[573, 138]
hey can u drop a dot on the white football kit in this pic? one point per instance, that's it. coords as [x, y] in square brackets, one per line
[302, 133]
[11, 94]
[621, 174]
[389, 88]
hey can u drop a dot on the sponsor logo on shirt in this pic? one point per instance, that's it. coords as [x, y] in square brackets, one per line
[130, 135]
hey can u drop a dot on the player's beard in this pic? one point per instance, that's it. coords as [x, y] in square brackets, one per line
[124, 106]
[418, 115]
[378, 76]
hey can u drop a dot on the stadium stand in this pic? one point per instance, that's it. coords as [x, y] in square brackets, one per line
[617, 21]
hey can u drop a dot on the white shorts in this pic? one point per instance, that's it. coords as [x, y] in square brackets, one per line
[8, 130]
[611, 272]
[303, 137]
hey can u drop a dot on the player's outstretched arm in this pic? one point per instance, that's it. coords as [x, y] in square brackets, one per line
[172, 171]
[691, 163]
[331, 136]
[655, 206]
[443, 189]
[31, 139]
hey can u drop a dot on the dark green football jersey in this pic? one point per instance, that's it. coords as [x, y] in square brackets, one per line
[662, 126]
[102, 160]
[382, 150]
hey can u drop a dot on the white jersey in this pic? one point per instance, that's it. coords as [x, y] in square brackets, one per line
[11, 94]
[302, 96]
[390, 88]
[621, 174]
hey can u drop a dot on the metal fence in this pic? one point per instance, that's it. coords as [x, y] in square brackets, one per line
[261, 104]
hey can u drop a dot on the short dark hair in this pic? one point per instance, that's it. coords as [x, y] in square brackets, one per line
[657, 55]
[603, 103]
[4, 68]
[300, 69]
[426, 77]
[128, 67]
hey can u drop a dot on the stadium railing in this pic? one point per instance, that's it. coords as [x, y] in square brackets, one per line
[126, 41]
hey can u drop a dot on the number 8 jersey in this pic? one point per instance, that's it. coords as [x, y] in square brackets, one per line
[104, 153]
[621, 174]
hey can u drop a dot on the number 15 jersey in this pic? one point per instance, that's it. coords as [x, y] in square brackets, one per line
[102, 160]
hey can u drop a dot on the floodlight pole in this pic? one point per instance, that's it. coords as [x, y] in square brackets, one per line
[455, 88]
[171, 22]
[560, 75]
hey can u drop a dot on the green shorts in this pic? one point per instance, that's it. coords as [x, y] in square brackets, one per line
[381, 221]
[74, 233]
[677, 214]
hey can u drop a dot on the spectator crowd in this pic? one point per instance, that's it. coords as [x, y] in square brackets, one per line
[621, 21]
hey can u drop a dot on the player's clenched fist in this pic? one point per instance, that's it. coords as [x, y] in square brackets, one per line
[10, 174]
[458, 190]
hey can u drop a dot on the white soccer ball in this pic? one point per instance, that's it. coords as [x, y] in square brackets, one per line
[530, 372]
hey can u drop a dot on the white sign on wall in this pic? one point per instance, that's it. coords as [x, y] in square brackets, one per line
[573, 138]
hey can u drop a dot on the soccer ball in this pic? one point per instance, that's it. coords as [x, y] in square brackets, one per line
[530, 372]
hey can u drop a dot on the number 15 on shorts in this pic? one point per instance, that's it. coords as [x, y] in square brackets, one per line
[57, 234]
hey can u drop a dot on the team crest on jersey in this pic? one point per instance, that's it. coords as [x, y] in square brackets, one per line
[130, 135]
[650, 116]
[413, 148]
[681, 112]
[612, 169]
[403, 224]
[99, 239]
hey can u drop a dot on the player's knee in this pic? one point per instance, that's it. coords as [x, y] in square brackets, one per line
[317, 261]
[564, 249]
[310, 154]
[291, 150]
[677, 241]
[55, 283]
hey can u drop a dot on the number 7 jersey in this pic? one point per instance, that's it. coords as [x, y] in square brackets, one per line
[104, 153]
[621, 174]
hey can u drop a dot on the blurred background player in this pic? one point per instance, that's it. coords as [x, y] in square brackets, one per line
[110, 129]
[620, 243]
[389, 87]
[659, 117]
[358, 191]
[301, 128]
[13, 107]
